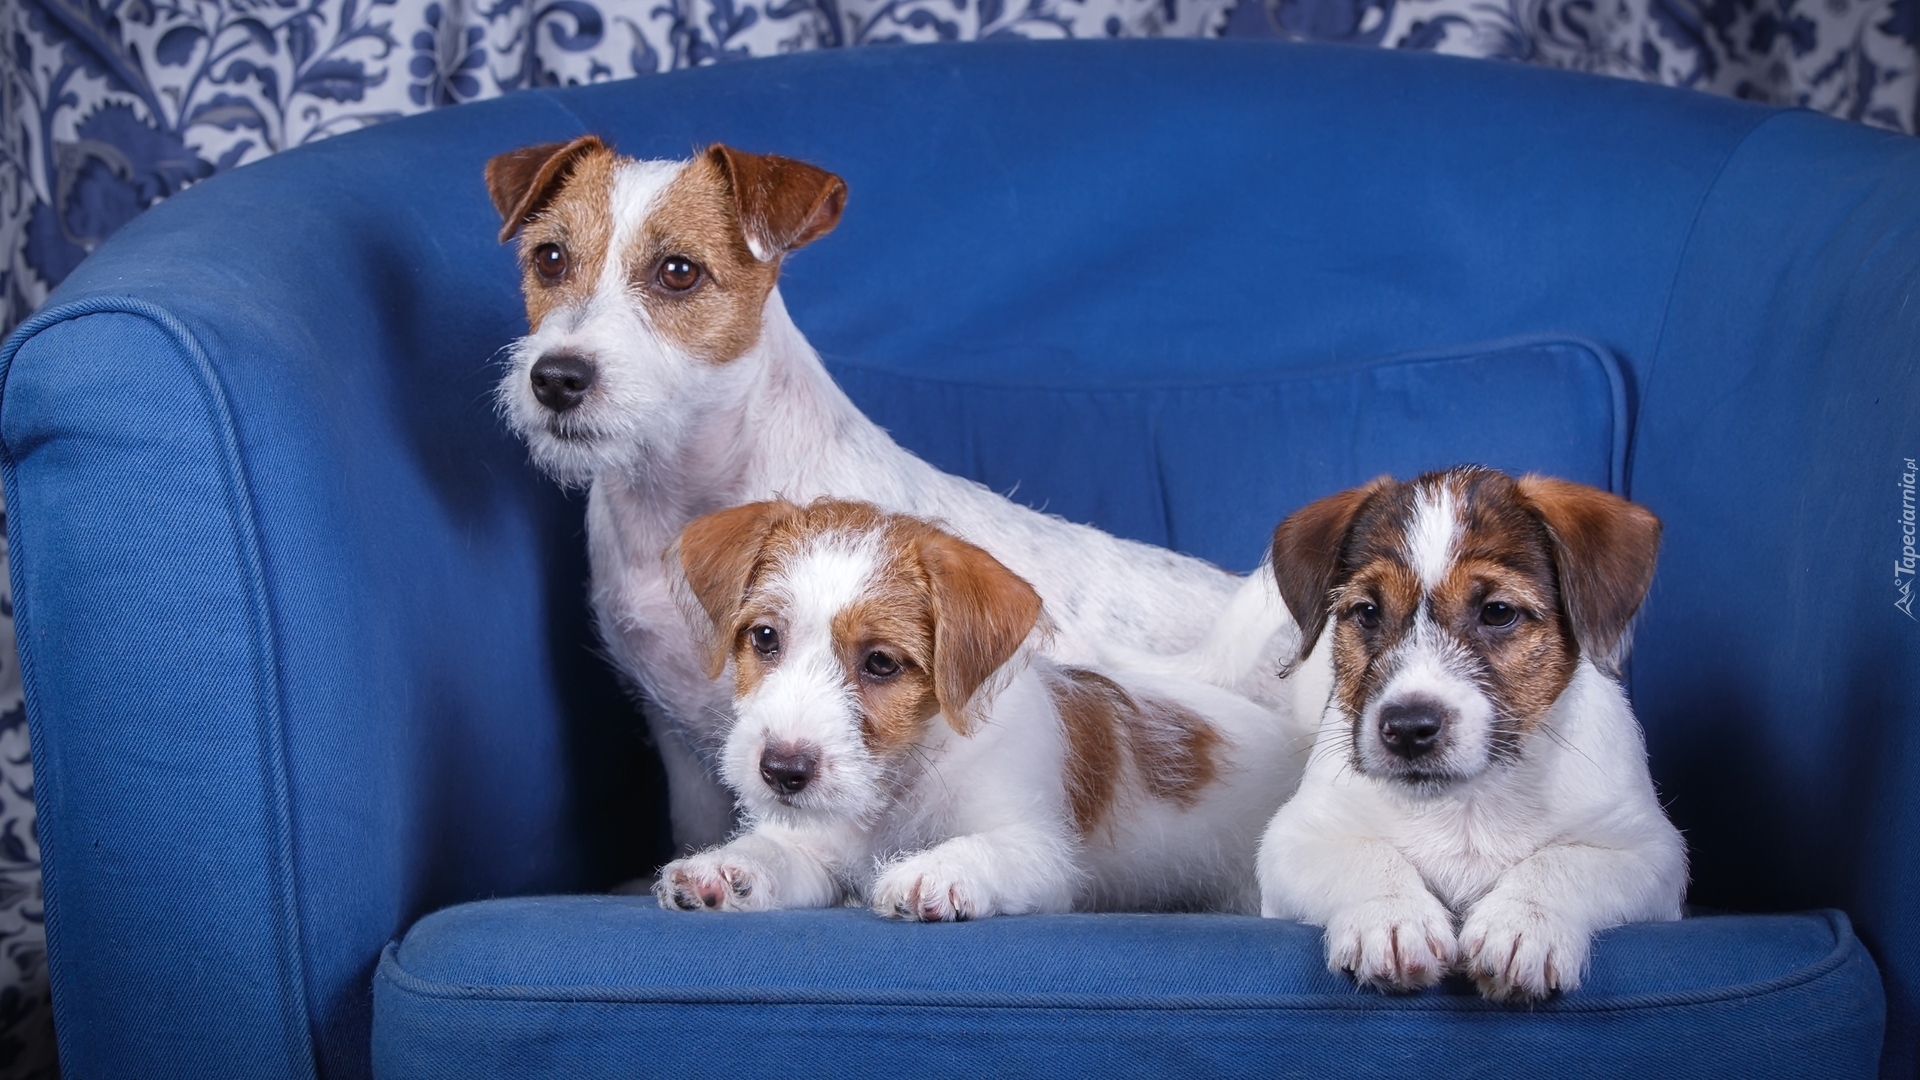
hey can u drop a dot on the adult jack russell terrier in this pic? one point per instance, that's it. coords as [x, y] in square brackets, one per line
[1477, 798]
[663, 372]
[896, 739]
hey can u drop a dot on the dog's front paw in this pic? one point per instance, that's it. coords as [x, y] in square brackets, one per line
[1393, 943]
[930, 888]
[714, 880]
[1518, 950]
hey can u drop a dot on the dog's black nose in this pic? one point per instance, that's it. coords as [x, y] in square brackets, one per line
[1411, 728]
[787, 771]
[561, 379]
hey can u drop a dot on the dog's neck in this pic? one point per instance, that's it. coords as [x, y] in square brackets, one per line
[782, 424]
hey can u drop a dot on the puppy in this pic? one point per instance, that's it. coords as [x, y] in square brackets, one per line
[662, 372]
[1477, 797]
[898, 740]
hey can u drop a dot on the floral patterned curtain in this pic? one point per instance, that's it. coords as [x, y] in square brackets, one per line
[1858, 59]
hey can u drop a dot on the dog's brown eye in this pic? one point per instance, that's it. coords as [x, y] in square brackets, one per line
[678, 273]
[1367, 615]
[550, 261]
[766, 640]
[881, 666]
[1498, 614]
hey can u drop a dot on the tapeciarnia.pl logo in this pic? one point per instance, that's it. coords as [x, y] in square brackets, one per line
[1903, 567]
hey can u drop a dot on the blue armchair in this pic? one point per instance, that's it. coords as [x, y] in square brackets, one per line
[320, 734]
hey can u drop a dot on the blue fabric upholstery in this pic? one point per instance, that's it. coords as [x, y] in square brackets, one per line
[304, 639]
[1156, 471]
[538, 987]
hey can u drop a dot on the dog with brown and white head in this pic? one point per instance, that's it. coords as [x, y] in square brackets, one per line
[1477, 798]
[662, 371]
[897, 739]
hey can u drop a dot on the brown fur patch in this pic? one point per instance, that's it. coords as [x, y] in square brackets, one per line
[521, 181]
[983, 612]
[782, 203]
[1307, 550]
[1604, 550]
[720, 554]
[577, 216]
[1388, 583]
[1526, 665]
[749, 668]
[1090, 707]
[896, 618]
[719, 318]
[1172, 752]
[706, 214]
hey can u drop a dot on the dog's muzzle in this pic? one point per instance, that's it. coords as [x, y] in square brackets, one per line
[561, 379]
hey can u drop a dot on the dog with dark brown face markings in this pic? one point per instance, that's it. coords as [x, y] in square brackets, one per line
[1477, 798]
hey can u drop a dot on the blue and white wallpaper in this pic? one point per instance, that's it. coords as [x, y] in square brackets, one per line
[110, 106]
[1857, 59]
[26, 1011]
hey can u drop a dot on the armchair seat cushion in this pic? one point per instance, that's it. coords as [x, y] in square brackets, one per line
[605, 986]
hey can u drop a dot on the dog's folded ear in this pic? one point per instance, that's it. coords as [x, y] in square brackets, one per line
[781, 203]
[982, 613]
[1604, 549]
[718, 553]
[1306, 557]
[524, 180]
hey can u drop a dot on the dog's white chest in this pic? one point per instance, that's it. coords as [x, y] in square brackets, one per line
[1462, 846]
[633, 596]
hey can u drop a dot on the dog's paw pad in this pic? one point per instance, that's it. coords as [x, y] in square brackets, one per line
[922, 889]
[1517, 951]
[711, 881]
[1393, 943]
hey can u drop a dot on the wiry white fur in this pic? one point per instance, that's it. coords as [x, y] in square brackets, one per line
[963, 826]
[1431, 534]
[1246, 651]
[664, 437]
